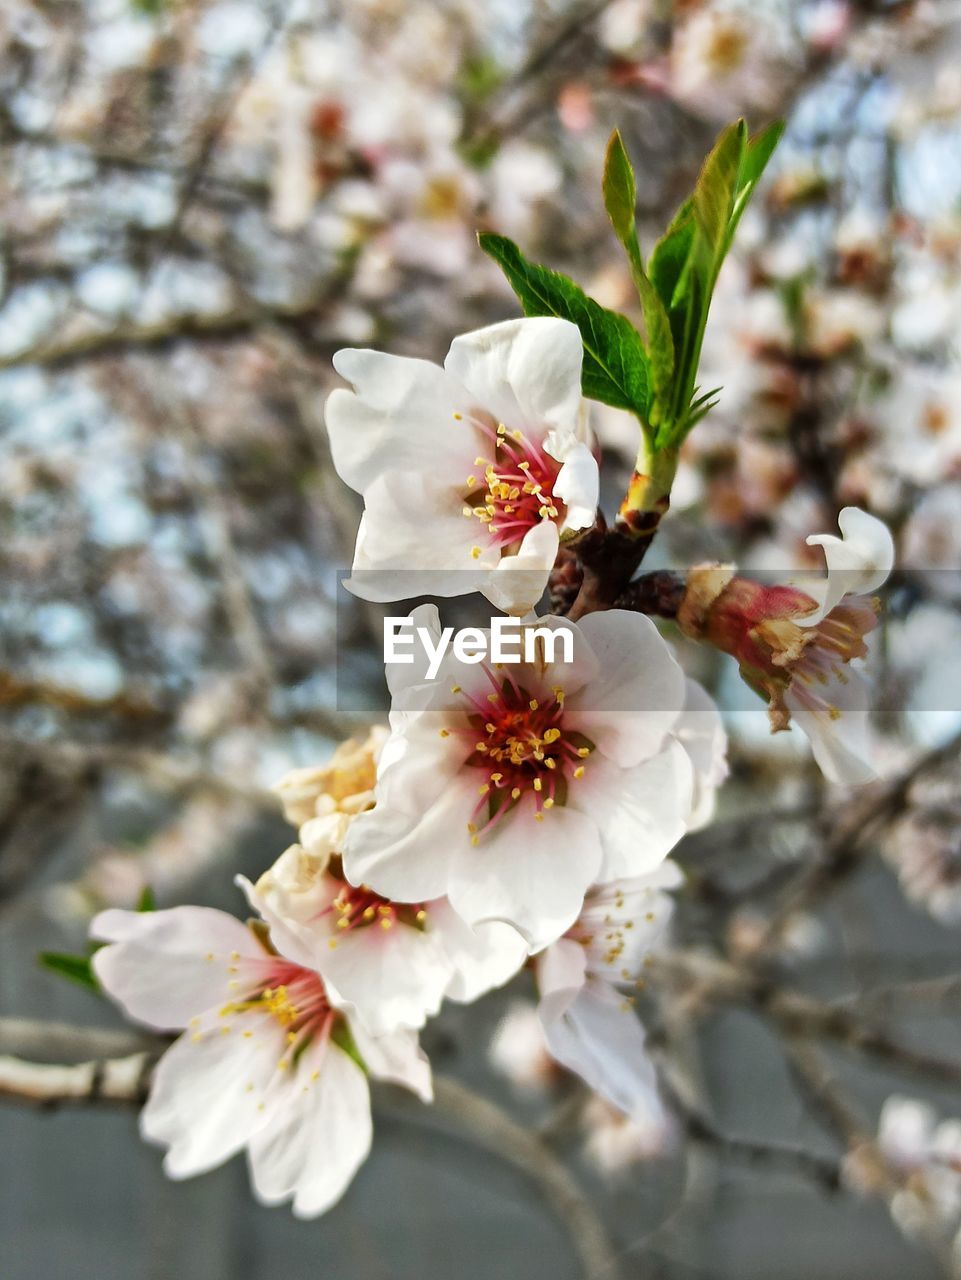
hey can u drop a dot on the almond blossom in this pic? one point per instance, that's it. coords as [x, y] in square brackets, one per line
[266, 1060]
[795, 645]
[512, 789]
[391, 963]
[470, 473]
[589, 1026]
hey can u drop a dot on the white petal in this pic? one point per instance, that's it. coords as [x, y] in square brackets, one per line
[841, 746]
[403, 675]
[561, 974]
[391, 978]
[600, 1038]
[530, 874]
[481, 959]
[518, 581]
[166, 967]
[289, 940]
[700, 732]
[403, 848]
[642, 812]
[858, 562]
[578, 487]
[396, 1058]
[527, 373]
[200, 1105]
[625, 921]
[318, 1134]
[400, 419]
[414, 540]
[638, 693]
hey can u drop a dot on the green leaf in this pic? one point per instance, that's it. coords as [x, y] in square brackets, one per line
[620, 200]
[620, 190]
[616, 369]
[716, 188]
[147, 900]
[758, 153]
[753, 163]
[75, 968]
[668, 260]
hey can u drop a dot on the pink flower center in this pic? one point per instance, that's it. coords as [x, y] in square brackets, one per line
[515, 490]
[523, 749]
[837, 639]
[361, 908]
[296, 998]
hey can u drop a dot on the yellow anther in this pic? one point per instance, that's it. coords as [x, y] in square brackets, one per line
[458, 417]
[533, 704]
[549, 803]
[579, 771]
[475, 553]
[538, 785]
[552, 734]
[583, 752]
[516, 793]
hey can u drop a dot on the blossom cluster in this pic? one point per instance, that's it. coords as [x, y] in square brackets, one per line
[511, 816]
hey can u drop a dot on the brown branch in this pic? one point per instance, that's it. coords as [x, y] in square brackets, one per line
[861, 820]
[707, 980]
[96, 342]
[165, 771]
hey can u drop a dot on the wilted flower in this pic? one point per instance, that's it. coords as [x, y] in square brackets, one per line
[266, 1061]
[795, 646]
[322, 800]
[470, 473]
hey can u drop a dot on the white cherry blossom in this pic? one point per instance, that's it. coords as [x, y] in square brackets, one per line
[589, 1026]
[470, 473]
[266, 1060]
[510, 791]
[392, 963]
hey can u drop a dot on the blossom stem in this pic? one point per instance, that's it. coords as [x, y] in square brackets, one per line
[609, 557]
